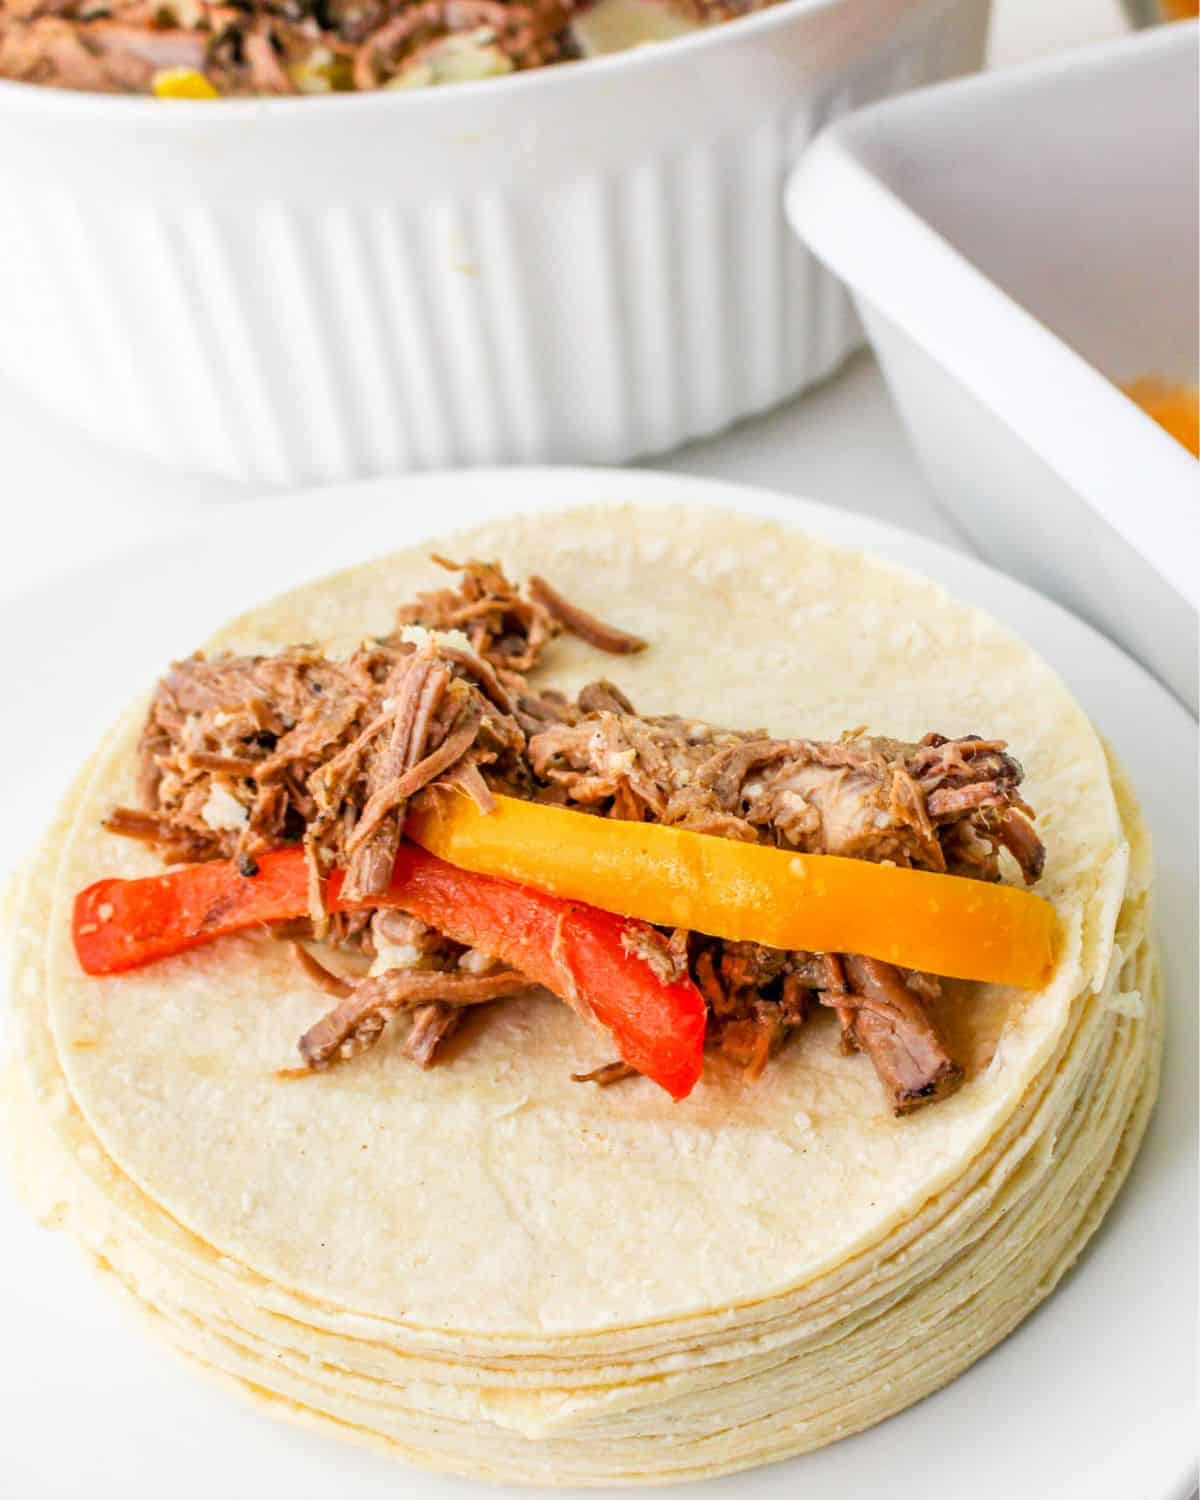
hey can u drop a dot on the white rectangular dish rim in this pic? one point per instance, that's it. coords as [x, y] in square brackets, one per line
[931, 291]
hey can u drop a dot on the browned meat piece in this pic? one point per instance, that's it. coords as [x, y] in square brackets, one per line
[435, 720]
[393, 928]
[756, 996]
[578, 622]
[357, 1021]
[262, 55]
[99, 55]
[704, 972]
[794, 999]
[1016, 833]
[467, 778]
[938, 805]
[240, 754]
[177, 845]
[529, 35]
[506, 630]
[749, 966]
[480, 671]
[927, 986]
[416, 689]
[750, 1040]
[891, 1025]
[431, 1026]
[602, 696]
[607, 1075]
[30, 10]
[607, 753]
[537, 710]
[229, 744]
[656, 952]
[333, 984]
[349, 930]
[827, 975]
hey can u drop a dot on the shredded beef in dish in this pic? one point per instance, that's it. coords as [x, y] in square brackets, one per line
[280, 47]
[241, 754]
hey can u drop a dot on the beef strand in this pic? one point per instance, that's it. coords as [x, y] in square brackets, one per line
[890, 1023]
[354, 1024]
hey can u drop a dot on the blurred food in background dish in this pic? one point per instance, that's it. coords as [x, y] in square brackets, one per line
[571, 265]
[1150, 12]
[1176, 408]
[204, 49]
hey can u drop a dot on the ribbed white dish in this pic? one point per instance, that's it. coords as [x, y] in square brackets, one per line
[586, 263]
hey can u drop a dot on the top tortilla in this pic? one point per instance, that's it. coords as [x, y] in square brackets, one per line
[492, 1195]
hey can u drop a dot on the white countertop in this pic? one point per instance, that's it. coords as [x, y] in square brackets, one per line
[71, 501]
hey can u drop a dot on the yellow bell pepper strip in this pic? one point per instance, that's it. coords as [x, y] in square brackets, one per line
[182, 83]
[672, 877]
[585, 956]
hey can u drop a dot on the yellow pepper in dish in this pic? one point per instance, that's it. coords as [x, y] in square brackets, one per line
[182, 83]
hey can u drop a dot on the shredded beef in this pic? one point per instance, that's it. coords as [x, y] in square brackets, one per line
[668, 963]
[240, 754]
[506, 630]
[587, 627]
[431, 1026]
[860, 797]
[312, 966]
[355, 1023]
[889, 1022]
[941, 804]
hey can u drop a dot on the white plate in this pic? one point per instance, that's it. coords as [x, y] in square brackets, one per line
[1091, 1399]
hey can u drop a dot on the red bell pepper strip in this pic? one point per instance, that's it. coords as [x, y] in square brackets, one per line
[573, 950]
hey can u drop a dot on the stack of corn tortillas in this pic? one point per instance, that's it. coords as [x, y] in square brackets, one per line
[489, 1269]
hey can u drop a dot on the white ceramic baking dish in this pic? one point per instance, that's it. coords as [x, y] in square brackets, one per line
[583, 263]
[1016, 244]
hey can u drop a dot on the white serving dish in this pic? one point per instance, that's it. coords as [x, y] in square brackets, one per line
[1015, 245]
[587, 262]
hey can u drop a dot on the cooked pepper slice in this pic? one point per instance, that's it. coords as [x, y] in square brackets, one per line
[577, 952]
[942, 924]
[182, 83]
